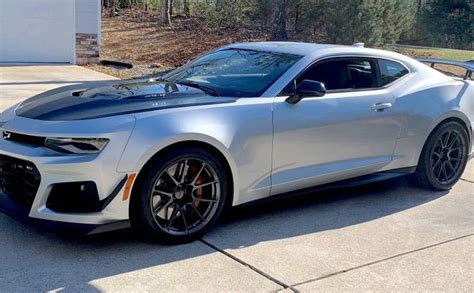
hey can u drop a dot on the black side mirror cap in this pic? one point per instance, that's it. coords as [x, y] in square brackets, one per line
[307, 88]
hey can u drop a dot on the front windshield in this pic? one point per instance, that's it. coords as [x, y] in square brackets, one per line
[235, 72]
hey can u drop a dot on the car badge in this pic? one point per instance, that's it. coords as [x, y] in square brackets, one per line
[7, 135]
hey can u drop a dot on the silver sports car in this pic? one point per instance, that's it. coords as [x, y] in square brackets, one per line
[242, 123]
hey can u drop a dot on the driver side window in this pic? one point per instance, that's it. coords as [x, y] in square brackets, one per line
[341, 74]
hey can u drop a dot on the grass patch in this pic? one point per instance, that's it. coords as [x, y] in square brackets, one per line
[456, 55]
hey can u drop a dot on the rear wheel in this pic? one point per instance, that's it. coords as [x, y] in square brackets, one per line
[181, 196]
[444, 157]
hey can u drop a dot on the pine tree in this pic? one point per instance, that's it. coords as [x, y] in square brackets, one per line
[448, 23]
[374, 22]
[397, 17]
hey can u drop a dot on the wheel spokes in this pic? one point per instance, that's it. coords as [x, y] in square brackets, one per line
[450, 165]
[445, 173]
[205, 184]
[439, 171]
[197, 211]
[161, 192]
[452, 142]
[196, 177]
[163, 206]
[173, 217]
[206, 200]
[182, 212]
[182, 198]
[436, 164]
[447, 156]
[446, 140]
[183, 171]
[176, 183]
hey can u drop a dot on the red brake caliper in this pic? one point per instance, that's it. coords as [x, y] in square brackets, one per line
[198, 192]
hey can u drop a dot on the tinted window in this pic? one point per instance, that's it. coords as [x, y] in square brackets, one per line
[391, 71]
[234, 72]
[341, 74]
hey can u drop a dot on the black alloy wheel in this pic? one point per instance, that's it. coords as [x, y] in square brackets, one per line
[181, 197]
[447, 156]
[444, 157]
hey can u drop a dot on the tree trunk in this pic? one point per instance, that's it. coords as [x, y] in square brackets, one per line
[186, 7]
[297, 17]
[113, 8]
[165, 17]
[171, 7]
[279, 22]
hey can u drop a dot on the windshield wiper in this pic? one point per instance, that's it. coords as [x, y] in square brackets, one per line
[158, 79]
[203, 88]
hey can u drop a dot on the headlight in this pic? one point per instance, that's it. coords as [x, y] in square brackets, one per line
[76, 145]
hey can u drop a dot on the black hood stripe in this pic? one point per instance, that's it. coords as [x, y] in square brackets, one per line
[112, 100]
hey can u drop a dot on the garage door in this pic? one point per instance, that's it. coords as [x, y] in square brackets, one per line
[37, 31]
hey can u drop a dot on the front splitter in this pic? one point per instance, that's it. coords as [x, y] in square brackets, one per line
[19, 213]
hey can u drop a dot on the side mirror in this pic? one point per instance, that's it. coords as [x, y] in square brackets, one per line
[307, 88]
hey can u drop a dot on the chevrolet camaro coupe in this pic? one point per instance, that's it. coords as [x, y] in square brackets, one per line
[242, 123]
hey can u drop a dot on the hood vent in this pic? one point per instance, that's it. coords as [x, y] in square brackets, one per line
[77, 93]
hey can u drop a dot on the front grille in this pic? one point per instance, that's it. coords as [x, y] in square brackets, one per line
[19, 180]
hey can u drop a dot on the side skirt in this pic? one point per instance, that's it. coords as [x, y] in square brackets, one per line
[348, 183]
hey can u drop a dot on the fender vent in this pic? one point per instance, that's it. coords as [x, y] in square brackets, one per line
[23, 138]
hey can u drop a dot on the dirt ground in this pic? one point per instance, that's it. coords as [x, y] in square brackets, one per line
[135, 37]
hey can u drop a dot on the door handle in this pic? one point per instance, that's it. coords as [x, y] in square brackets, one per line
[380, 107]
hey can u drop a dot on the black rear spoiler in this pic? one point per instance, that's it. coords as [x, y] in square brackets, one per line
[467, 65]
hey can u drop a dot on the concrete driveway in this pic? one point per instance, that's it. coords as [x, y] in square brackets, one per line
[18, 82]
[388, 236]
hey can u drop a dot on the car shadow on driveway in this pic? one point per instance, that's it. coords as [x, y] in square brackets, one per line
[318, 212]
[32, 260]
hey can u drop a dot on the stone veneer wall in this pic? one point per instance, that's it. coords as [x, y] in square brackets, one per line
[87, 49]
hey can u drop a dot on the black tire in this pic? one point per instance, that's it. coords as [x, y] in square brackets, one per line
[441, 166]
[189, 203]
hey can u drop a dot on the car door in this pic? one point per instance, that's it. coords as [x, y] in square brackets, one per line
[349, 132]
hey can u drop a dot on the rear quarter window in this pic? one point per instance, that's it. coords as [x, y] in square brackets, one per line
[390, 71]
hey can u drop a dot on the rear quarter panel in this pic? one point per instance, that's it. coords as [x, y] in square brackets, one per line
[426, 101]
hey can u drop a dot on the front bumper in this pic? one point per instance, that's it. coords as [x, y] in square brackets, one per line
[111, 186]
[15, 211]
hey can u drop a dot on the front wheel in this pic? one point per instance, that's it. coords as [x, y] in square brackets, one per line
[444, 157]
[181, 196]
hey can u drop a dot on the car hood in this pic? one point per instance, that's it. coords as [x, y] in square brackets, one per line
[102, 99]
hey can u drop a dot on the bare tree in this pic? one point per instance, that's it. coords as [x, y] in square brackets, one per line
[297, 16]
[112, 8]
[186, 7]
[279, 22]
[165, 16]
